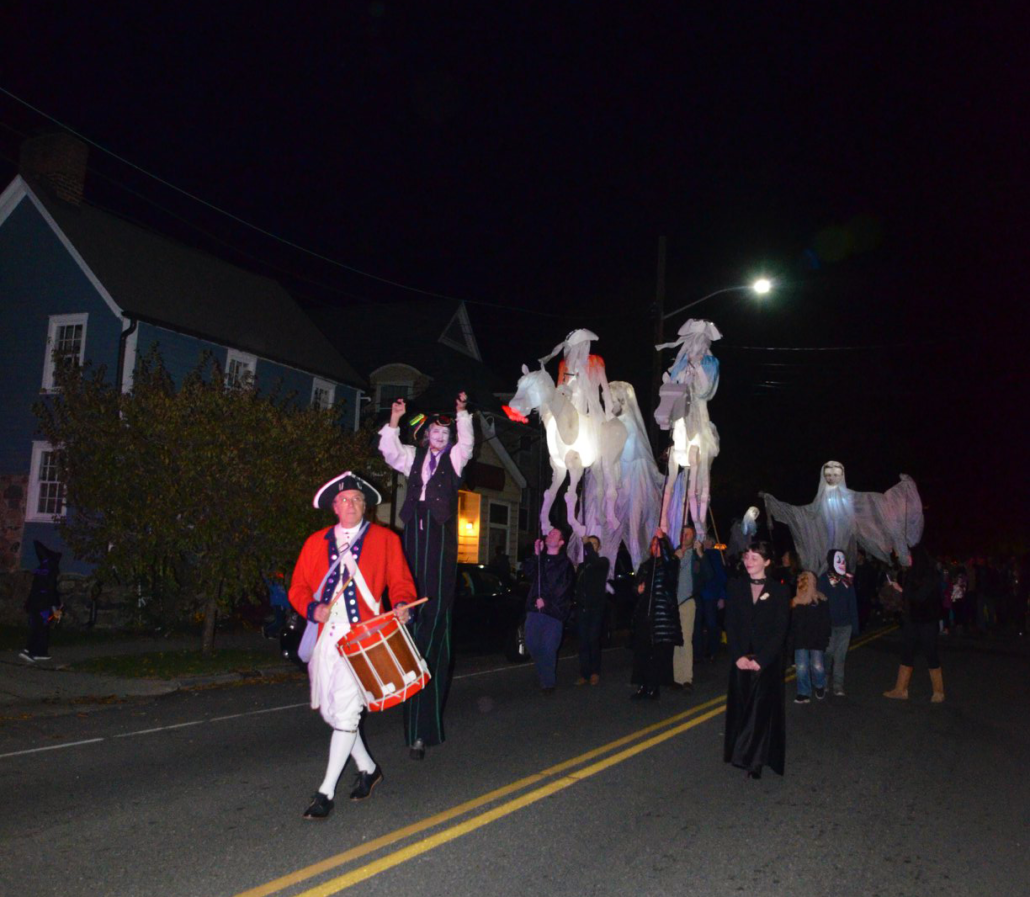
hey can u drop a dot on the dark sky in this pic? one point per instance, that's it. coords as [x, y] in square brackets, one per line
[530, 155]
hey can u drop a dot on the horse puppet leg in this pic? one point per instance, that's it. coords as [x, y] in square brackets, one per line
[670, 485]
[574, 464]
[613, 441]
[550, 494]
[692, 498]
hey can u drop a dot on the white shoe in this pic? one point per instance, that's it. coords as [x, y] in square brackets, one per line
[24, 655]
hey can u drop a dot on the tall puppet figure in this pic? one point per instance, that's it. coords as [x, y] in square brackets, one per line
[842, 518]
[430, 517]
[686, 389]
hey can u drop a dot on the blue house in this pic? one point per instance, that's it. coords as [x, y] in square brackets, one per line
[78, 283]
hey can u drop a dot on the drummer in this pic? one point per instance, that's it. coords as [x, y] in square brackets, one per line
[362, 561]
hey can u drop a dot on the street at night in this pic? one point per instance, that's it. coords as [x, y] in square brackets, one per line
[513, 449]
[584, 792]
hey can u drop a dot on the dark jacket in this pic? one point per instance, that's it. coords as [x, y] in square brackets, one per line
[757, 628]
[922, 599]
[441, 492]
[656, 615]
[43, 595]
[554, 584]
[810, 625]
[843, 602]
[591, 578]
[711, 581]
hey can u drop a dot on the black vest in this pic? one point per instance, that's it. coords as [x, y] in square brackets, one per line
[441, 492]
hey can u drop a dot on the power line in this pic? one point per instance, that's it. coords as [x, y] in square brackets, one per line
[267, 233]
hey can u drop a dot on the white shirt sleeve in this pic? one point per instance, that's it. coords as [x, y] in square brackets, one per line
[399, 456]
[462, 450]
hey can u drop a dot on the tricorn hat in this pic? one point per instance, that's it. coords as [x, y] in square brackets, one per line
[327, 494]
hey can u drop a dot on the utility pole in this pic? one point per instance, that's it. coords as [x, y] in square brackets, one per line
[659, 329]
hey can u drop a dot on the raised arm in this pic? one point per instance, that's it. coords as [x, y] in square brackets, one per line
[399, 456]
[462, 451]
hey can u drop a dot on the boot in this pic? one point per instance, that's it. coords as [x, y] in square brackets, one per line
[937, 678]
[900, 690]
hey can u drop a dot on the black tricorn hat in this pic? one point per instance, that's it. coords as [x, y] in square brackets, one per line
[327, 494]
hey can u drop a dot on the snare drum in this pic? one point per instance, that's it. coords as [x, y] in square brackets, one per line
[385, 662]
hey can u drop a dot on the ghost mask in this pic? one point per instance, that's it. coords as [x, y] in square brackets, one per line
[838, 562]
[833, 473]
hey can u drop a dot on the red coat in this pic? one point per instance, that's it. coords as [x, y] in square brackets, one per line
[382, 564]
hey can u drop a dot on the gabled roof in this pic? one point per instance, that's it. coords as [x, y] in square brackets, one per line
[160, 281]
[432, 335]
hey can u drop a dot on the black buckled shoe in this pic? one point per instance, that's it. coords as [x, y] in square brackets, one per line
[364, 782]
[417, 750]
[321, 807]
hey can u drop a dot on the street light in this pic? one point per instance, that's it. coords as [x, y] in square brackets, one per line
[760, 287]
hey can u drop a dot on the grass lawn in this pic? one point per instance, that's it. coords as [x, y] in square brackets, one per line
[176, 664]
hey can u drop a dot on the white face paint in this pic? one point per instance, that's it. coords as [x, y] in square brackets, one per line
[833, 474]
[840, 565]
[439, 436]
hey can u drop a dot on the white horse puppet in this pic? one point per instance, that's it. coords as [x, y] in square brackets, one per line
[685, 392]
[575, 442]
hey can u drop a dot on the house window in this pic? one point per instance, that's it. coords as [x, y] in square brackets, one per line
[46, 491]
[388, 393]
[323, 393]
[65, 346]
[240, 369]
[500, 514]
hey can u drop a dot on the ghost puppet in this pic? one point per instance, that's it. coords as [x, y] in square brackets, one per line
[841, 518]
[582, 375]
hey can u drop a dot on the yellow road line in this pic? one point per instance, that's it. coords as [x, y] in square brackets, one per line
[340, 883]
[393, 837]
[369, 870]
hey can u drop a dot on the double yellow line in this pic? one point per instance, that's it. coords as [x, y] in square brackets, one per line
[548, 781]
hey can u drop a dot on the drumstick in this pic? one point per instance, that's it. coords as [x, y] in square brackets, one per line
[389, 613]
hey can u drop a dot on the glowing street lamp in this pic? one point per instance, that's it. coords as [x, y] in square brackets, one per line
[762, 286]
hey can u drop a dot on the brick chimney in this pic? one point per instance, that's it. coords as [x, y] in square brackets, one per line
[59, 160]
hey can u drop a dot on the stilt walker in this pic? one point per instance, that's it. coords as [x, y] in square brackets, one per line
[430, 537]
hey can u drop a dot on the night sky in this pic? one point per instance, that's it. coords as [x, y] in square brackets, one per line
[527, 157]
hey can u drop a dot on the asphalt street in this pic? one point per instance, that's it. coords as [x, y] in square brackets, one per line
[583, 792]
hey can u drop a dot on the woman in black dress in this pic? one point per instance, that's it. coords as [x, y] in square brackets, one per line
[757, 617]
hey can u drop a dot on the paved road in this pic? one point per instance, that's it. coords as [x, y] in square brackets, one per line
[581, 793]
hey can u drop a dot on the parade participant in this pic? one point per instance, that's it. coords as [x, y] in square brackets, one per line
[430, 517]
[43, 605]
[836, 585]
[757, 617]
[550, 576]
[656, 622]
[591, 580]
[920, 590]
[689, 554]
[339, 581]
[810, 627]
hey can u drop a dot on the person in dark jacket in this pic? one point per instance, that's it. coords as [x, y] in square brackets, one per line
[757, 618]
[591, 579]
[810, 628]
[837, 586]
[656, 619]
[920, 591]
[548, 603]
[43, 604]
[711, 583]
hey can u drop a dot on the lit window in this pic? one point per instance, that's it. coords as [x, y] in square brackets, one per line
[46, 491]
[65, 346]
[240, 369]
[323, 393]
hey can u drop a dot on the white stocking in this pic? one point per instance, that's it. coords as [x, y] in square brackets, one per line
[340, 748]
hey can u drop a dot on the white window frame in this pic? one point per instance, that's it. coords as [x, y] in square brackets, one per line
[32, 512]
[409, 385]
[245, 359]
[330, 389]
[57, 321]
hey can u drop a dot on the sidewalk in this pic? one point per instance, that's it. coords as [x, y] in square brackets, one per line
[50, 688]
